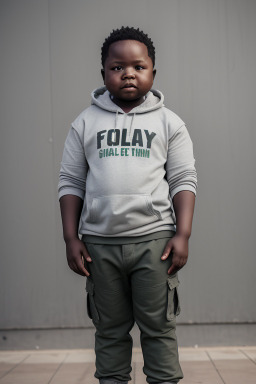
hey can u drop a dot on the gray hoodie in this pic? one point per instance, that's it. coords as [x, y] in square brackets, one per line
[127, 166]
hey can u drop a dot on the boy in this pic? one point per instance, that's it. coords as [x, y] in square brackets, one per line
[128, 177]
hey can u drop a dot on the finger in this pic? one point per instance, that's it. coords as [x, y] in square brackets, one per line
[167, 251]
[86, 254]
[74, 268]
[172, 269]
[83, 271]
[78, 267]
[84, 265]
[176, 266]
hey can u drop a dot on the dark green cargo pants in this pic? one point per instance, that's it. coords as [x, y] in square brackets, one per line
[129, 282]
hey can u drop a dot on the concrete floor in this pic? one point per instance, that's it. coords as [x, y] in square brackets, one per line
[219, 365]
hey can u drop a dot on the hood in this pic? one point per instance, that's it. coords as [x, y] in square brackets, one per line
[101, 97]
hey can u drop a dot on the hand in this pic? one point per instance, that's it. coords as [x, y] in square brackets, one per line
[76, 256]
[178, 246]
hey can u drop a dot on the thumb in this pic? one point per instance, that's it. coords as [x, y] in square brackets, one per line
[167, 250]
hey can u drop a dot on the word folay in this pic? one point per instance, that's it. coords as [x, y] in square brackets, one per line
[115, 137]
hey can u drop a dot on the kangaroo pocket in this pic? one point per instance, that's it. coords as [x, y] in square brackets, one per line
[117, 213]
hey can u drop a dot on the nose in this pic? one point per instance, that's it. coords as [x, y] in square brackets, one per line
[128, 74]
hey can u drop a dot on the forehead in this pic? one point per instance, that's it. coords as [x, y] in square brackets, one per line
[128, 50]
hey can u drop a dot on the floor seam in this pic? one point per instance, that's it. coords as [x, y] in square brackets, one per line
[58, 368]
[10, 370]
[248, 357]
[218, 372]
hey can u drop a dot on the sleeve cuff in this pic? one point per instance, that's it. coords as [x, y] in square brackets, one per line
[182, 188]
[71, 191]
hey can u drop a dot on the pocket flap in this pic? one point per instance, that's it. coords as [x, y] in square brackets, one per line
[91, 307]
[89, 286]
[173, 282]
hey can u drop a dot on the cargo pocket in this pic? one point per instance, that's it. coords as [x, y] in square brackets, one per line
[173, 303]
[91, 307]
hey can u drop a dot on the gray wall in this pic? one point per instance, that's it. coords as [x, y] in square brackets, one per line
[50, 62]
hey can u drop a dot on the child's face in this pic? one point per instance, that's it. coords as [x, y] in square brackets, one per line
[128, 72]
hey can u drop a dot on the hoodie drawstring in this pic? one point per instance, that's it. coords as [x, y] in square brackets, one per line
[114, 133]
[130, 130]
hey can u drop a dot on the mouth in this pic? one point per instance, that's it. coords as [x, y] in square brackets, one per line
[129, 85]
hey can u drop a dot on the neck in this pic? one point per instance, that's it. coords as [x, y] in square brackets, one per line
[127, 106]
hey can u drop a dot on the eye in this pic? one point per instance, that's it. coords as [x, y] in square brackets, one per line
[139, 67]
[117, 68]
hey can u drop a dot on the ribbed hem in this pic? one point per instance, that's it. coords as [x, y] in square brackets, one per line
[91, 239]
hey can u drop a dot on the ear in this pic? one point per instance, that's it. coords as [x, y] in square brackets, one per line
[154, 73]
[103, 75]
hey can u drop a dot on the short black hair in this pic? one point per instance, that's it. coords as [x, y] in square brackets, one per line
[127, 33]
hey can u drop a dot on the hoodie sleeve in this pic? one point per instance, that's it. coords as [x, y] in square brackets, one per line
[74, 167]
[180, 167]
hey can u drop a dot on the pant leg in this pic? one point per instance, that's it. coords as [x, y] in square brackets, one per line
[110, 307]
[155, 306]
